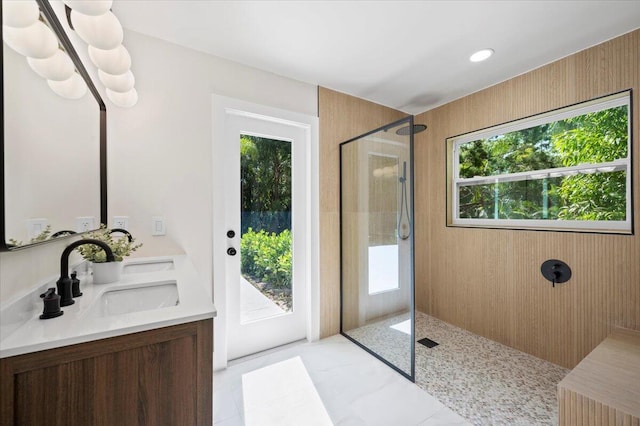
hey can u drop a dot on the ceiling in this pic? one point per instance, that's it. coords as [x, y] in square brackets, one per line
[408, 55]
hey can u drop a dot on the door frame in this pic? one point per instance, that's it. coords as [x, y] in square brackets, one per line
[223, 107]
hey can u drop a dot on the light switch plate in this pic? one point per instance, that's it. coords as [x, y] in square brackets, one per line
[36, 226]
[158, 226]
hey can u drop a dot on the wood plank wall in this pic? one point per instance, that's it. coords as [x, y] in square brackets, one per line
[489, 281]
[342, 117]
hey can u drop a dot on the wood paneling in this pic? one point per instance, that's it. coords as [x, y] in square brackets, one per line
[488, 281]
[353, 257]
[158, 377]
[604, 389]
[342, 117]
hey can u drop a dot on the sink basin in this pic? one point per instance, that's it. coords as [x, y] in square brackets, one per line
[150, 266]
[136, 299]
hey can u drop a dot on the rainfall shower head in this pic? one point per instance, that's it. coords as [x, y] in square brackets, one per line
[417, 128]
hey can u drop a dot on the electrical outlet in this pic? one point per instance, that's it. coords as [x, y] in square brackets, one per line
[121, 222]
[36, 226]
[158, 227]
[85, 223]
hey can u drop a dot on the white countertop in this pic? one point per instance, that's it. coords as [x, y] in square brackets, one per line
[27, 333]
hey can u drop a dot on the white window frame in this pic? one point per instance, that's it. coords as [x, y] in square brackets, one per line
[623, 164]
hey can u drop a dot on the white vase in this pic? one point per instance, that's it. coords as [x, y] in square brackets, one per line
[107, 272]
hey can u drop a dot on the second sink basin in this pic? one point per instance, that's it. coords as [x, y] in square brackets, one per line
[148, 266]
[136, 299]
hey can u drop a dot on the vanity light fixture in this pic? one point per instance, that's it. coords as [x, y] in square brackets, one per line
[26, 32]
[95, 23]
[481, 55]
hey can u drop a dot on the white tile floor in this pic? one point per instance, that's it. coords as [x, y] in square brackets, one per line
[328, 382]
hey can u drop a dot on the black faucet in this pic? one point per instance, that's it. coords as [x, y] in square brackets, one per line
[61, 233]
[122, 231]
[64, 283]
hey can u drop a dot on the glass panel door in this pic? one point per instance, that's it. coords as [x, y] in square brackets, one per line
[266, 256]
[377, 244]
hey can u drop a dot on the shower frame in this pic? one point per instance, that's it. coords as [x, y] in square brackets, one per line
[409, 121]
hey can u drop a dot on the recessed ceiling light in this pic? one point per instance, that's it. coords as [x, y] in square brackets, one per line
[481, 55]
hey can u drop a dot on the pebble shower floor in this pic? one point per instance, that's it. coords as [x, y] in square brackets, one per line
[484, 381]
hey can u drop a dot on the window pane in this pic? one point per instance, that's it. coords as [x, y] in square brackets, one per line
[598, 196]
[596, 137]
[266, 234]
[559, 169]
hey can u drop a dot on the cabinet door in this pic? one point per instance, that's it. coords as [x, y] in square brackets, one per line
[158, 377]
[167, 378]
[101, 390]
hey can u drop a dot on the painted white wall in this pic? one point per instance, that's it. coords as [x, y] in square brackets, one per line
[160, 151]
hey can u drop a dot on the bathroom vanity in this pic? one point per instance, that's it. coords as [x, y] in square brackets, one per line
[138, 351]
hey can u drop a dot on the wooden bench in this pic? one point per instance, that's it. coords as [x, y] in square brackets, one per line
[604, 388]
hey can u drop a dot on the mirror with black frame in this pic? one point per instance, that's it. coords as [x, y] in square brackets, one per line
[54, 139]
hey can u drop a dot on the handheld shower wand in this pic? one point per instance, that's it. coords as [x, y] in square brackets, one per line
[404, 222]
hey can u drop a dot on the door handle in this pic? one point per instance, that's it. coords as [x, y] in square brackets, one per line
[231, 251]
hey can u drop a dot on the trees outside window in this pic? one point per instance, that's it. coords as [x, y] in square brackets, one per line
[266, 242]
[570, 170]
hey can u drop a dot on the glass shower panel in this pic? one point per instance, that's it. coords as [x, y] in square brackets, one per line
[377, 244]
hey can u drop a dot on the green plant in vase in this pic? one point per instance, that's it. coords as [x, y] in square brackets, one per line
[105, 272]
[121, 246]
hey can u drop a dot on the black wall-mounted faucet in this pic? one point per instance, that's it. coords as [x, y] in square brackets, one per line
[555, 271]
[64, 283]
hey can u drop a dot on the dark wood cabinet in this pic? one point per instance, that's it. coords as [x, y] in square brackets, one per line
[156, 377]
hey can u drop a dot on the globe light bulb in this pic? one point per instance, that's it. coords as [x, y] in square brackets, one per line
[89, 7]
[72, 88]
[35, 41]
[19, 13]
[103, 31]
[123, 100]
[115, 61]
[118, 83]
[58, 67]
